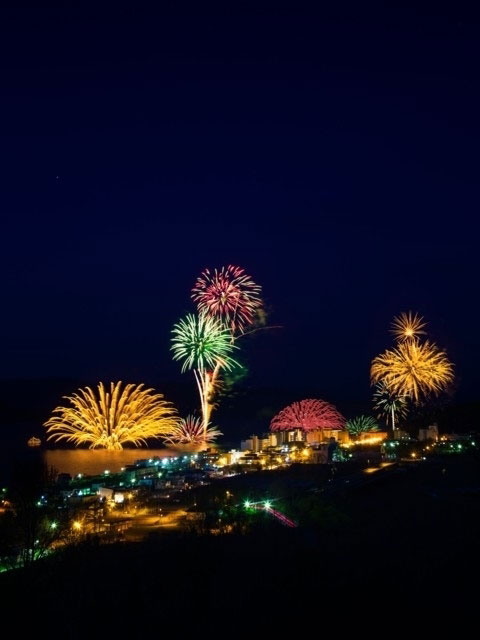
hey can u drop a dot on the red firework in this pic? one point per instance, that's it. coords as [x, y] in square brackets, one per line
[308, 415]
[229, 294]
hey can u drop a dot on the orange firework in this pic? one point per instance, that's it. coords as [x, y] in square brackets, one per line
[413, 369]
[407, 326]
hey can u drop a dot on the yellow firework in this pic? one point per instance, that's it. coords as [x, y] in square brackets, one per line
[407, 326]
[112, 417]
[413, 369]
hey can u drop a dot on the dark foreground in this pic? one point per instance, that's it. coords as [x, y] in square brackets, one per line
[402, 548]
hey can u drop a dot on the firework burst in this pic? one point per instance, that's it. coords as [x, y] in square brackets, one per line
[111, 418]
[407, 326]
[190, 431]
[389, 405]
[413, 369]
[229, 294]
[308, 415]
[202, 342]
[361, 424]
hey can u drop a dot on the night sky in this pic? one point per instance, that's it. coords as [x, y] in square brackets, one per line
[333, 155]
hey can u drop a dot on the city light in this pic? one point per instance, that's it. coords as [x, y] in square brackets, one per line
[268, 505]
[247, 504]
[77, 525]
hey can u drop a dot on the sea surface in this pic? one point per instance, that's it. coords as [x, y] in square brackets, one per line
[14, 452]
[72, 461]
[92, 462]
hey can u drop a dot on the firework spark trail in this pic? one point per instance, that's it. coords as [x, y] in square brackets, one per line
[414, 369]
[388, 404]
[308, 415]
[190, 430]
[407, 326]
[202, 343]
[112, 418]
[228, 294]
[361, 424]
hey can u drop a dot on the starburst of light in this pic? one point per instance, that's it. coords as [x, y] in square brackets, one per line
[112, 417]
[308, 415]
[190, 430]
[229, 294]
[413, 369]
[361, 424]
[407, 326]
[202, 342]
[389, 404]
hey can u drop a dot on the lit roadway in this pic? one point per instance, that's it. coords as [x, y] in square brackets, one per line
[144, 523]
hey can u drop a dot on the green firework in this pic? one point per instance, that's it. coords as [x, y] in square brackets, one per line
[361, 424]
[388, 404]
[202, 343]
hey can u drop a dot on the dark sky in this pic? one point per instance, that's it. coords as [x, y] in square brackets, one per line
[333, 155]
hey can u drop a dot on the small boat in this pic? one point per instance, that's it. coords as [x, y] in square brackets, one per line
[34, 442]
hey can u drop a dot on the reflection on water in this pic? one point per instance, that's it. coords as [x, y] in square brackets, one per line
[92, 462]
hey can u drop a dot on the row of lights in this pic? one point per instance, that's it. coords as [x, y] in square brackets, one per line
[75, 525]
[267, 505]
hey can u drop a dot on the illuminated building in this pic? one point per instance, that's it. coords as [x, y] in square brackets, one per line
[430, 433]
[324, 435]
[254, 443]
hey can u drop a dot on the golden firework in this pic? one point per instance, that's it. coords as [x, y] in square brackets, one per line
[414, 369]
[407, 326]
[111, 418]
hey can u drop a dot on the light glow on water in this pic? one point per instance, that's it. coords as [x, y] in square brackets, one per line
[94, 462]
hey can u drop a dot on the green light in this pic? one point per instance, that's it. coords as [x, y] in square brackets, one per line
[247, 504]
[53, 525]
[268, 504]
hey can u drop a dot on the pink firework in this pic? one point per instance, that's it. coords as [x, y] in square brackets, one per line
[308, 415]
[190, 430]
[229, 294]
